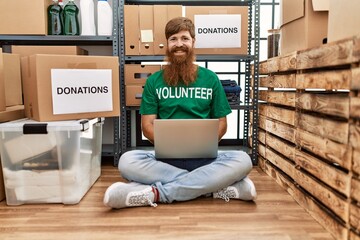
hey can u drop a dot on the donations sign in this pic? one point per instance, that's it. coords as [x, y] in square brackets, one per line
[218, 31]
[81, 90]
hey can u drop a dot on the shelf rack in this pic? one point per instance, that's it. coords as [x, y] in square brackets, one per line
[7, 40]
[253, 17]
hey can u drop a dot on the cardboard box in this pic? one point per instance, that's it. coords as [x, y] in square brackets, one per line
[162, 14]
[344, 19]
[137, 73]
[217, 29]
[12, 77]
[24, 17]
[131, 29]
[303, 24]
[146, 26]
[2, 83]
[58, 161]
[81, 95]
[133, 95]
[26, 50]
[12, 113]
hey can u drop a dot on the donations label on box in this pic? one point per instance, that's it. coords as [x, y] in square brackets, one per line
[218, 31]
[81, 90]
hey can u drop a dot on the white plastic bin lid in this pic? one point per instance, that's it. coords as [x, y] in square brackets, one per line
[35, 127]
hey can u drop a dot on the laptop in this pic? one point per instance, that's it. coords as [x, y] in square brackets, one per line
[186, 138]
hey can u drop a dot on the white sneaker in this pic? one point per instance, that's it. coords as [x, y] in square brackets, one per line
[243, 190]
[121, 195]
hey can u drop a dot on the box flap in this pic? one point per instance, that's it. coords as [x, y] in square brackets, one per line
[291, 10]
[321, 5]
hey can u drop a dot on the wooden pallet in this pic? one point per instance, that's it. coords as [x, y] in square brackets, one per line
[309, 131]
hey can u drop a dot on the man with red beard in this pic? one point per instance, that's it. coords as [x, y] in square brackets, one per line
[170, 94]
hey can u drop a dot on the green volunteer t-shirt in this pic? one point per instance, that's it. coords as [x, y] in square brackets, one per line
[205, 98]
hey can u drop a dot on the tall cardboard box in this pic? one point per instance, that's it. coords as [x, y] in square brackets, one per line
[303, 24]
[131, 29]
[224, 30]
[344, 19]
[20, 17]
[2, 83]
[69, 87]
[12, 77]
[162, 14]
[146, 22]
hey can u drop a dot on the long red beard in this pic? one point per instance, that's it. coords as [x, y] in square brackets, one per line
[180, 69]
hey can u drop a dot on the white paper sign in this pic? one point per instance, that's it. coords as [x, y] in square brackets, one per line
[218, 31]
[81, 90]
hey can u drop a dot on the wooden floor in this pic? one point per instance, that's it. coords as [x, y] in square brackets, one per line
[274, 215]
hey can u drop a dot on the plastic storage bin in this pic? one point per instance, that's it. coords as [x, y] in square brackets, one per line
[50, 162]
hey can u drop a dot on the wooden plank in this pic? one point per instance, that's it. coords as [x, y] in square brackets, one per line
[356, 161]
[337, 153]
[325, 219]
[331, 176]
[262, 109]
[280, 146]
[262, 136]
[327, 128]
[273, 65]
[355, 135]
[278, 81]
[281, 114]
[355, 79]
[281, 163]
[356, 50]
[331, 104]
[355, 189]
[355, 107]
[262, 122]
[325, 195]
[263, 67]
[332, 54]
[288, 62]
[279, 129]
[263, 95]
[328, 80]
[355, 216]
[282, 98]
[262, 150]
[304, 200]
[354, 236]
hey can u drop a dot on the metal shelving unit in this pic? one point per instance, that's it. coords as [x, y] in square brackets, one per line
[7, 40]
[247, 106]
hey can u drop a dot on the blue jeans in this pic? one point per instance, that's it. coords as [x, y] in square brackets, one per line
[188, 179]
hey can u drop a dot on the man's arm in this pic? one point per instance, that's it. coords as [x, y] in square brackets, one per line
[222, 127]
[147, 126]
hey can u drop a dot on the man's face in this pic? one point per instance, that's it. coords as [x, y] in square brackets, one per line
[180, 45]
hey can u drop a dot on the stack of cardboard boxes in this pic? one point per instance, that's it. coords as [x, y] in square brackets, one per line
[61, 87]
[311, 23]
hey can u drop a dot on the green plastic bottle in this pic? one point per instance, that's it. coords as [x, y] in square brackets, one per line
[55, 19]
[71, 22]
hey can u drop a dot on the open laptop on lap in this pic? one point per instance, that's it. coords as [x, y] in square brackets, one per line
[186, 138]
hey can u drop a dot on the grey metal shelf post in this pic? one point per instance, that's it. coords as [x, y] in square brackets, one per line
[247, 107]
